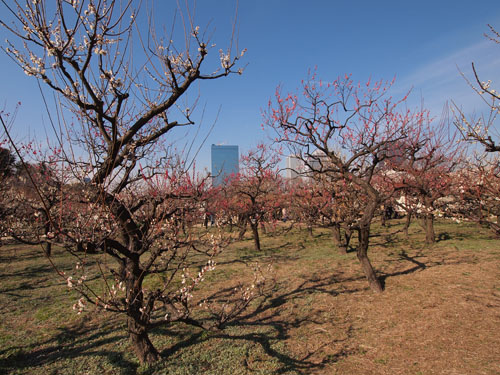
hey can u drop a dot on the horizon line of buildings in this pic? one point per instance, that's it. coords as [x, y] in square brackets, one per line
[225, 163]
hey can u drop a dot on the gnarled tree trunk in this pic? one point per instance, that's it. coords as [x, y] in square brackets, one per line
[137, 326]
[242, 223]
[255, 232]
[364, 241]
[362, 254]
[141, 344]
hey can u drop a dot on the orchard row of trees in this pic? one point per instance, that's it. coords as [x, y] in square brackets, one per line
[114, 194]
[423, 175]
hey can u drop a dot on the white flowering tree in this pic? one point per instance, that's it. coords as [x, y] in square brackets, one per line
[482, 129]
[477, 191]
[129, 199]
[7, 167]
[479, 188]
[424, 173]
[31, 198]
[7, 161]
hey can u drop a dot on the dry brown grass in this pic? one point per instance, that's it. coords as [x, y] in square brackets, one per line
[439, 313]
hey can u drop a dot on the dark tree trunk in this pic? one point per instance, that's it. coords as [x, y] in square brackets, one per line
[430, 236]
[347, 236]
[87, 247]
[139, 339]
[407, 223]
[137, 325]
[341, 242]
[47, 248]
[362, 253]
[243, 226]
[255, 231]
[364, 234]
[338, 239]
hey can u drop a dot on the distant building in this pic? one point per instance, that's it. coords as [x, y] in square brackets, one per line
[317, 161]
[294, 167]
[225, 162]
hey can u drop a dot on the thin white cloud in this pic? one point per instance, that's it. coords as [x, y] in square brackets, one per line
[440, 80]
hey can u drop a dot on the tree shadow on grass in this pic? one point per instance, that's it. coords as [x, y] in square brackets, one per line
[268, 325]
[350, 249]
[30, 272]
[386, 239]
[418, 266]
[444, 236]
[274, 253]
[73, 343]
[17, 252]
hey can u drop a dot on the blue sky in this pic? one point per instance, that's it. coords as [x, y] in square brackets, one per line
[423, 44]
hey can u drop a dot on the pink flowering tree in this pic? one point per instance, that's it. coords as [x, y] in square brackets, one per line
[344, 130]
[306, 201]
[330, 203]
[343, 212]
[256, 190]
[123, 92]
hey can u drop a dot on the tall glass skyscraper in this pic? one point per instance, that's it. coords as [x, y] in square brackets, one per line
[225, 162]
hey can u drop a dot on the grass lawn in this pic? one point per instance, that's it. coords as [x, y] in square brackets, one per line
[439, 313]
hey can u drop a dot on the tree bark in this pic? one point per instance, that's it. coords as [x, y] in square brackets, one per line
[430, 236]
[362, 254]
[255, 231]
[337, 239]
[137, 325]
[342, 243]
[141, 344]
[407, 223]
[243, 224]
